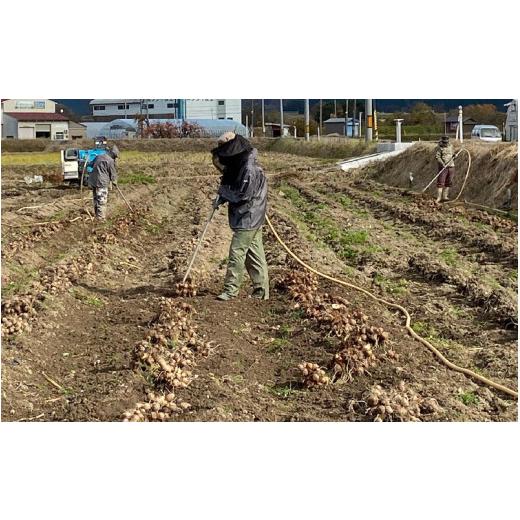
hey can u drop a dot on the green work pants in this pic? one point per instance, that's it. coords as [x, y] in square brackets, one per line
[247, 253]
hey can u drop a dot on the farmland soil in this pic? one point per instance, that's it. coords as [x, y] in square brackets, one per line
[94, 290]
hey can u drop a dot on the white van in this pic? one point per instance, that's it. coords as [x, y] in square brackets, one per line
[488, 133]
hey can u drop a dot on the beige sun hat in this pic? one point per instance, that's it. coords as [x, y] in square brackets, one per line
[225, 137]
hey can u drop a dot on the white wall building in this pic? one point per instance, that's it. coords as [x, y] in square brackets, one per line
[33, 118]
[29, 105]
[106, 109]
[214, 109]
[26, 125]
[129, 108]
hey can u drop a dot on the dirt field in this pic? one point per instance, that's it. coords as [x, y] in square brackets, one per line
[94, 323]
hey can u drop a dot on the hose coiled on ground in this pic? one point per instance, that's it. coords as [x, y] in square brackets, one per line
[408, 327]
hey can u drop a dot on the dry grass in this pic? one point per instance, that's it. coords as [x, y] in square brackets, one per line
[30, 158]
[145, 145]
[494, 168]
[324, 148]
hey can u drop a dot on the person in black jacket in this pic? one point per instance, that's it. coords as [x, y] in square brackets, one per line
[244, 187]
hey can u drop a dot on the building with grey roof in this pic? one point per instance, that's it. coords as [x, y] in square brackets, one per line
[110, 109]
[336, 125]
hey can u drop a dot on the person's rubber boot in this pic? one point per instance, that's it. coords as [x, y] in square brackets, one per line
[439, 195]
[445, 194]
[259, 294]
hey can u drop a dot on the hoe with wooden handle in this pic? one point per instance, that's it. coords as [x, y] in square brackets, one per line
[123, 197]
[199, 243]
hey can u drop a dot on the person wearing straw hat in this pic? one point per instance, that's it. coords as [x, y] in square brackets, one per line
[243, 187]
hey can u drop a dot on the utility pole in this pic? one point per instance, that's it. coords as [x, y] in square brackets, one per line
[321, 116]
[369, 120]
[354, 119]
[335, 109]
[141, 123]
[461, 125]
[306, 110]
[374, 113]
[252, 117]
[346, 118]
[263, 117]
[281, 117]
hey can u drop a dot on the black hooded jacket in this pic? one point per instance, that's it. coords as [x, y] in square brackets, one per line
[243, 184]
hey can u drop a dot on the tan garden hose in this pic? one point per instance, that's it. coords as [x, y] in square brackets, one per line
[465, 177]
[447, 362]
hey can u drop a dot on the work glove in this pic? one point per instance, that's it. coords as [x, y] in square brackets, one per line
[218, 201]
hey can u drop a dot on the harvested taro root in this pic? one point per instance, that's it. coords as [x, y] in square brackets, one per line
[354, 360]
[159, 407]
[336, 317]
[17, 311]
[168, 354]
[313, 375]
[396, 404]
[185, 289]
[168, 351]
[14, 325]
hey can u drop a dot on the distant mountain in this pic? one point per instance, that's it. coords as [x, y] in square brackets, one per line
[388, 105]
[439, 105]
[81, 106]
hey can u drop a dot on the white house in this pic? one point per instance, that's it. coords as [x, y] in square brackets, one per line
[33, 118]
[28, 125]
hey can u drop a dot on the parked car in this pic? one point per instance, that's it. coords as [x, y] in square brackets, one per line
[488, 133]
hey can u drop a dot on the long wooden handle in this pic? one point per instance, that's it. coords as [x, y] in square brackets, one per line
[194, 255]
[124, 198]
